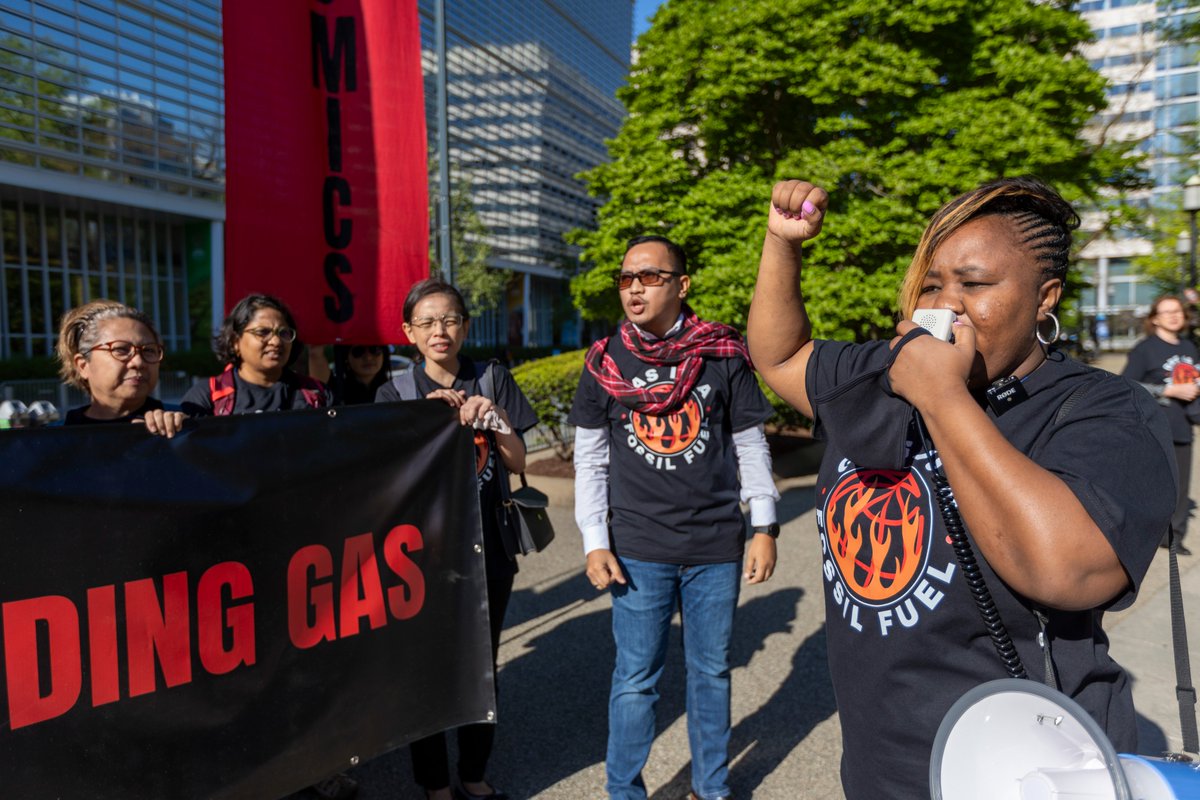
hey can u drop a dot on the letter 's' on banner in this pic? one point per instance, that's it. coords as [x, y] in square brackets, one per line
[326, 174]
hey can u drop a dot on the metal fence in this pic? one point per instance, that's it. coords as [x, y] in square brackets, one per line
[171, 388]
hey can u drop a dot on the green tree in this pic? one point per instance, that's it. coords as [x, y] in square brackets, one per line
[481, 285]
[892, 107]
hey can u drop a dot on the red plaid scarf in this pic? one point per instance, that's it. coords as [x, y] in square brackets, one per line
[687, 348]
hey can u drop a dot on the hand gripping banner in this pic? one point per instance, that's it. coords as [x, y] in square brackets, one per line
[326, 162]
[239, 611]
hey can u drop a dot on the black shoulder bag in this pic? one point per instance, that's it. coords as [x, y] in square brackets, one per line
[524, 524]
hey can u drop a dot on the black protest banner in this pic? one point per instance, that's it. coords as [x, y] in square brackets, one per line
[241, 610]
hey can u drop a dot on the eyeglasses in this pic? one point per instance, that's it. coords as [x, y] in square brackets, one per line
[125, 351]
[647, 277]
[358, 351]
[285, 334]
[449, 321]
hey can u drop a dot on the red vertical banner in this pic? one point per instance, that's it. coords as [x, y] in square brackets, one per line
[326, 183]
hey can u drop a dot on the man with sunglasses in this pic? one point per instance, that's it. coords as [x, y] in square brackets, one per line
[667, 414]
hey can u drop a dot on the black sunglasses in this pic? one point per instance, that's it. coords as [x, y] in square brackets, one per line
[358, 351]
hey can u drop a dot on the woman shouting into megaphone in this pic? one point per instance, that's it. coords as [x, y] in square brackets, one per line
[1056, 480]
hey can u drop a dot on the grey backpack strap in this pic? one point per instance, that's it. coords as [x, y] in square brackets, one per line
[485, 378]
[406, 385]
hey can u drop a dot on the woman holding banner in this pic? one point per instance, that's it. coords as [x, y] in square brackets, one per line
[436, 320]
[257, 342]
[112, 352]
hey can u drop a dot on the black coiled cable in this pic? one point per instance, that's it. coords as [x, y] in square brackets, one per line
[957, 532]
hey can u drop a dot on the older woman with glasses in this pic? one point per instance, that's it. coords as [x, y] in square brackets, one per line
[257, 342]
[112, 352]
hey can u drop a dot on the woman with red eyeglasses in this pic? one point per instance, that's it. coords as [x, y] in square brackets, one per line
[112, 352]
[358, 372]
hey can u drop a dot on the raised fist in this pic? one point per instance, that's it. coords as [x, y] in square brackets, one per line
[797, 211]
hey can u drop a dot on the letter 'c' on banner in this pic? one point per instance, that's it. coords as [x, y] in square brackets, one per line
[326, 174]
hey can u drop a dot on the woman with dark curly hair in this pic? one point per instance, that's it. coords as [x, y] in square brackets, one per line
[1063, 475]
[258, 344]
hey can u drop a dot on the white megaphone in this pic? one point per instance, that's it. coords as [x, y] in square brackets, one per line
[1021, 740]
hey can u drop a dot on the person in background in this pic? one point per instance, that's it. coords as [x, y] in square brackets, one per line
[257, 344]
[1165, 362]
[667, 414]
[436, 320]
[1063, 476]
[358, 373]
[112, 352]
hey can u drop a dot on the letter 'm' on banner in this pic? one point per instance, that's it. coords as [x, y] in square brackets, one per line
[326, 182]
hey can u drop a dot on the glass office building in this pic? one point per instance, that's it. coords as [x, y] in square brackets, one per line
[531, 93]
[1153, 100]
[112, 161]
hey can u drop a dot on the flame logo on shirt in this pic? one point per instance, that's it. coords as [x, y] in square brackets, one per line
[877, 524]
[1183, 372]
[669, 434]
[483, 449]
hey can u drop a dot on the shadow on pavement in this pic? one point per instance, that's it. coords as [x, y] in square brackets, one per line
[1152, 740]
[565, 589]
[554, 704]
[795, 502]
[762, 740]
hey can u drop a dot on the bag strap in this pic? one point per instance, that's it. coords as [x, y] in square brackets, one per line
[221, 391]
[1065, 409]
[486, 381]
[485, 378]
[406, 385]
[1185, 693]
[313, 391]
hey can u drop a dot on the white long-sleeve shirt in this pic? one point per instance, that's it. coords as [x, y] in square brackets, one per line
[591, 482]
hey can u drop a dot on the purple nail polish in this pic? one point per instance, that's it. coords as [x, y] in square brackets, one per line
[808, 209]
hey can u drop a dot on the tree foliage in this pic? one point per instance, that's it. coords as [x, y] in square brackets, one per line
[892, 107]
[482, 286]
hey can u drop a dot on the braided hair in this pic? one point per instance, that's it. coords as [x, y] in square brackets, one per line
[1042, 219]
[79, 332]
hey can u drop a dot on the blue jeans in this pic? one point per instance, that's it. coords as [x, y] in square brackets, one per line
[642, 611]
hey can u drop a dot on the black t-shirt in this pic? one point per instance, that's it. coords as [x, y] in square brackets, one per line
[673, 488]
[249, 398]
[905, 638]
[78, 416]
[1153, 360]
[488, 468]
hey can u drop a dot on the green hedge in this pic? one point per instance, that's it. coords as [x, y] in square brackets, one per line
[550, 385]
